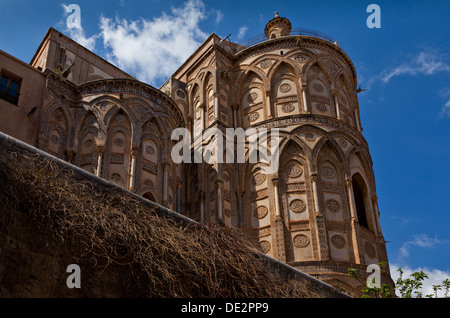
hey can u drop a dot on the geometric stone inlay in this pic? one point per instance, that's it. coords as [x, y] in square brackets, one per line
[327, 172]
[260, 212]
[264, 246]
[294, 170]
[370, 250]
[297, 206]
[338, 241]
[332, 205]
[301, 240]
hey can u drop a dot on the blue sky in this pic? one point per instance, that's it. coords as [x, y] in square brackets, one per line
[405, 65]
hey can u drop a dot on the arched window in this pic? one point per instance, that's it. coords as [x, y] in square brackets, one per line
[360, 194]
[149, 196]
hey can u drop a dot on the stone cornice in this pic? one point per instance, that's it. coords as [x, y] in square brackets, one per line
[291, 41]
[314, 120]
[104, 86]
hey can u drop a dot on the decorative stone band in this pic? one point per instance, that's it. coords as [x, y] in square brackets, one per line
[314, 120]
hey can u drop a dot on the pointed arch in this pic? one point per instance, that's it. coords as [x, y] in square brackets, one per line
[86, 143]
[252, 100]
[118, 147]
[285, 88]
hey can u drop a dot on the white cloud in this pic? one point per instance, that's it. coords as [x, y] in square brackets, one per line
[435, 277]
[242, 32]
[219, 16]
[426, 63]
[419, 240]
[153, 49]
[78, 36]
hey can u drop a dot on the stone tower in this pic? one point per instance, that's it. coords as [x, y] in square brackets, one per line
[319, 211]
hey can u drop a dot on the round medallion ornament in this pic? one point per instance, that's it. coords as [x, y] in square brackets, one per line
[266, 63]
[253, 116]
[287, 108]
[301, 240]
[284, 88]
[338, 241]
[264, 246]
[327, 172]
[294, 170]
[115, 177]
[310, 136]
[259, 179]
[88, 143]
[370, 250]
[332, 205]
[300, 58]
[297, 206]
[54, 139]
[149, 183]
[227, 212]
[150, 150]
[260, 212]
[318, 88]
[181, 94]
[252, 97]
[343, 143]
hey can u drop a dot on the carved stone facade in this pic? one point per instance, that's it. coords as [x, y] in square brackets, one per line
[318, 212]
[307, 214]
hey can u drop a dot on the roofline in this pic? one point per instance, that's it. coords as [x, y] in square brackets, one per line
[190, 58]
[47, 36]
[20, 61]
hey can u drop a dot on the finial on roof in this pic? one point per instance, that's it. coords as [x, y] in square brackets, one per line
[276, 14]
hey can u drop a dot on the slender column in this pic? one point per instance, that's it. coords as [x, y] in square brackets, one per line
[280, 246]
[216, 106]
[348, 184]
[133, 170]
[99, 164]
[219, 186]
[313, 179]
[235, 107]
[269, 113]
[336, 103]
[165, 183]
[354, 219]
[100, 154]
[358, 126]
[240, 194]
[275, 193]
[305, 104]
[376, 215]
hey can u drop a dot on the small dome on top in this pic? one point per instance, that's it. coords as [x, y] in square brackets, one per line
[277, 27]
